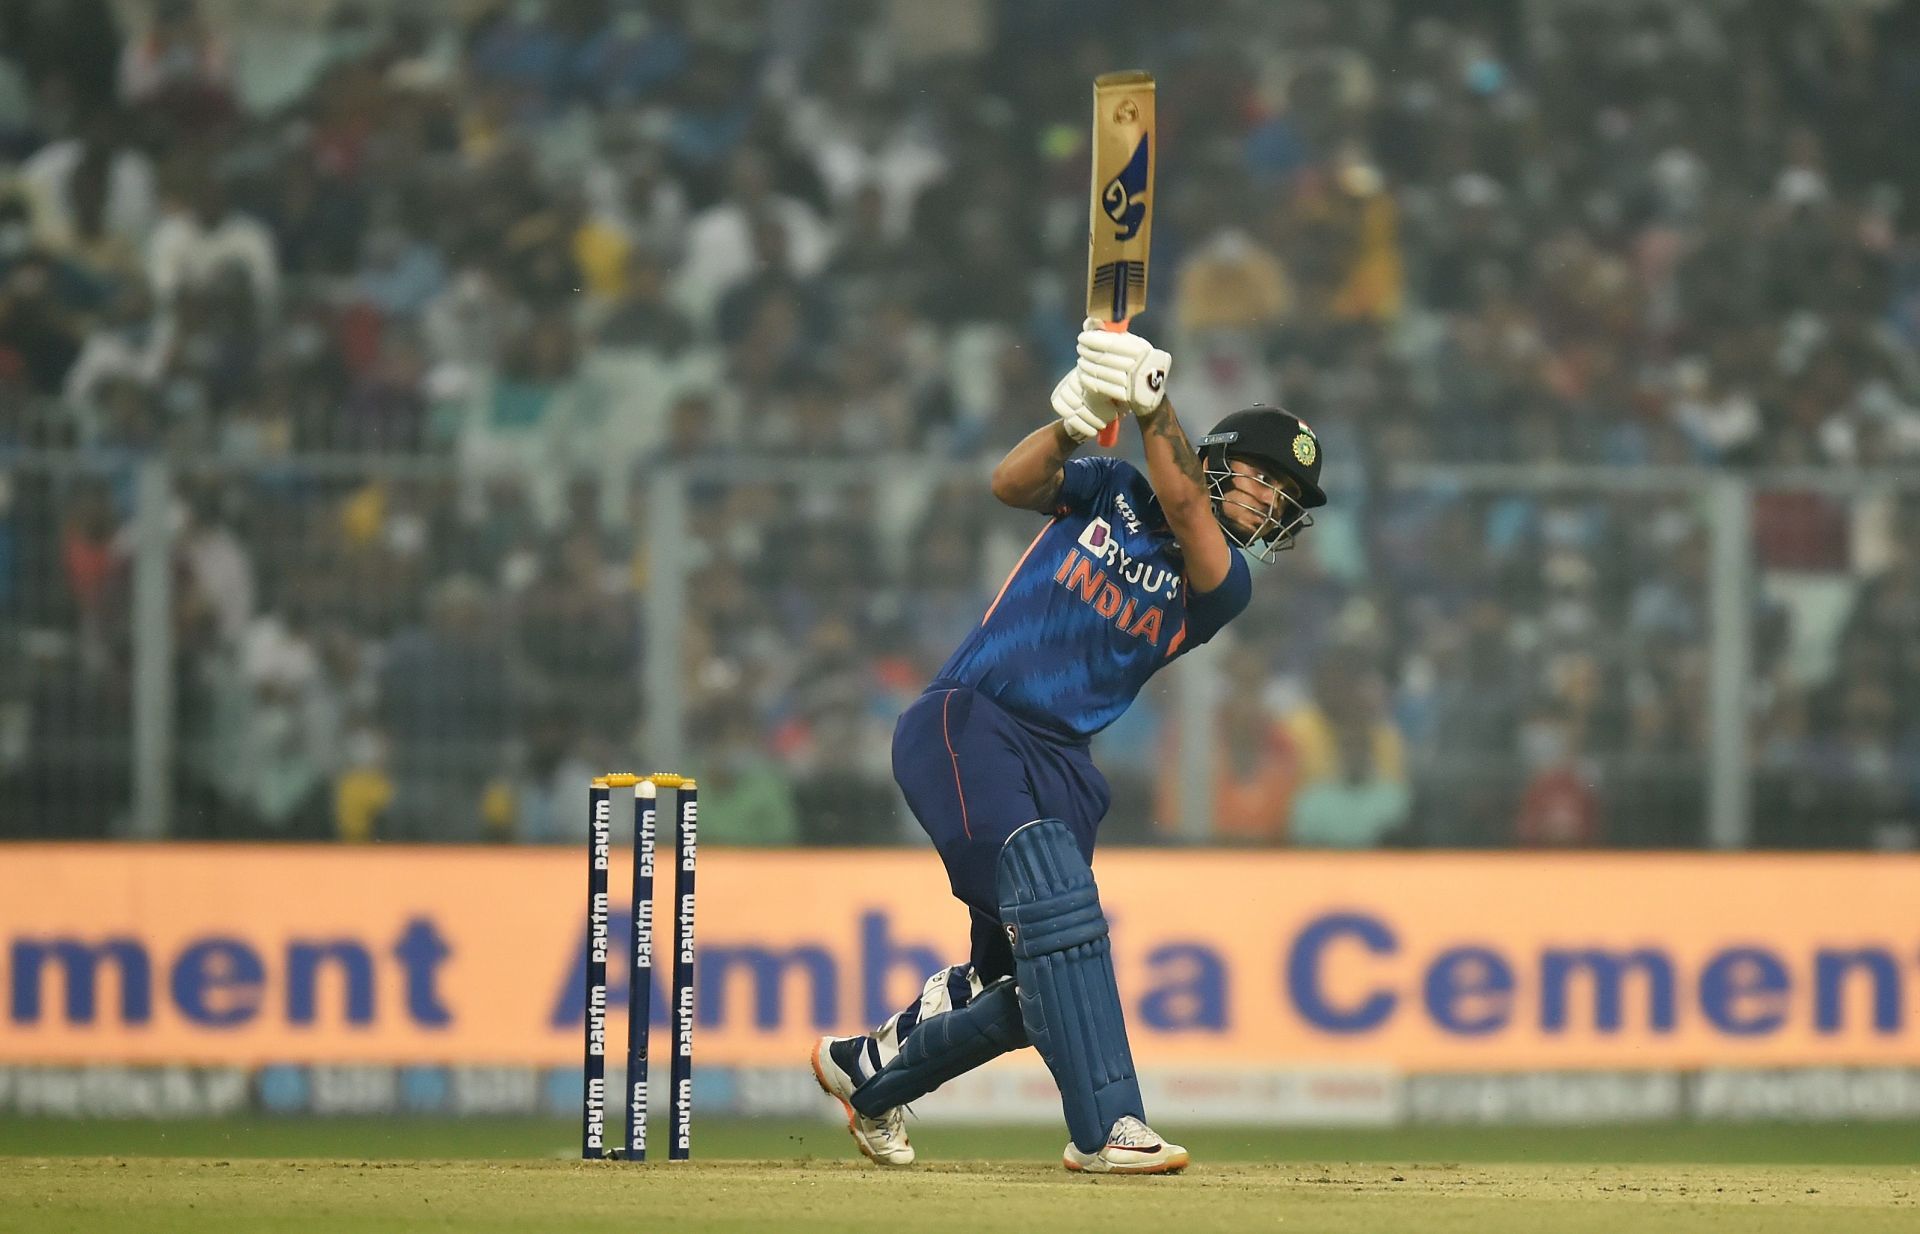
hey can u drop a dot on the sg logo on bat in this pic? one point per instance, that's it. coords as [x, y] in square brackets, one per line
[1123, 198]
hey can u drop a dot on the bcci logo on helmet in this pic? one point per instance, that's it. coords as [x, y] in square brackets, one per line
[1305, 450]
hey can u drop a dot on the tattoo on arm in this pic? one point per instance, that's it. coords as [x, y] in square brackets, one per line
[1191, 513]
[1167, 425]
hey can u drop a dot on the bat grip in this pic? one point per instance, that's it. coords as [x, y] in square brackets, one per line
[1110, 435]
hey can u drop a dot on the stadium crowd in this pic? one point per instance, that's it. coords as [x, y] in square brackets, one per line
[495, 264]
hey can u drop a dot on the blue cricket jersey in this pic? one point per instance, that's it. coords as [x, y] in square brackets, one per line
[1098, 604]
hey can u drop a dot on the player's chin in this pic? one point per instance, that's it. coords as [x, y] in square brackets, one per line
[1243, 529]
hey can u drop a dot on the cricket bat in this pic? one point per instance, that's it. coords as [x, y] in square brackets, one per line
[1120, 220]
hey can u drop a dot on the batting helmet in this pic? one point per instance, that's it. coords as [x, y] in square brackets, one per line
[1270, 436]
[1282, 446]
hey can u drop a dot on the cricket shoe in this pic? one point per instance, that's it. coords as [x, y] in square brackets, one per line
[882, 1139]
[1132, 1148]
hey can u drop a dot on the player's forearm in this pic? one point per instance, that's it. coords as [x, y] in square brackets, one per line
[1180, 483]
[1029, 477]
[1173, 468]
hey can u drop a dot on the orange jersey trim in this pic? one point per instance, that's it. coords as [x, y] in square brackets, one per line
[1016, 570]
[946, 735]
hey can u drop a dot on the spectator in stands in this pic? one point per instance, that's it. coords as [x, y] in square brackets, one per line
[1255, 770]
[550, 797]
[721, 239]
[178, 65]
[556, 238]
[92, 194]
[450, 704]
[745, 797]
[201, 237]
[40, 327]
[1353, 791]
[1559, 807]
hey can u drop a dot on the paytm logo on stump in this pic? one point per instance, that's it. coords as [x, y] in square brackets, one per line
[221, 981]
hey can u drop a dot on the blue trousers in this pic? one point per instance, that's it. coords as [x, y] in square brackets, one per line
[972, 773]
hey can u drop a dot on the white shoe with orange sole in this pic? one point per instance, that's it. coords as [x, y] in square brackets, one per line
[884, 1139]
[1132, 1148]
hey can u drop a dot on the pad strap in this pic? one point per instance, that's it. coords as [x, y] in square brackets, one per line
[1056, 922]
[944, 1046]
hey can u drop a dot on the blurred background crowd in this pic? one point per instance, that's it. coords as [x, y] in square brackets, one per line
[418, 298]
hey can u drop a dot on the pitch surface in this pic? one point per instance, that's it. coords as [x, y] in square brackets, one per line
[358, 1175]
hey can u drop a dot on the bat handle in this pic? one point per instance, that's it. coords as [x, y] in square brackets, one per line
[1110, 435]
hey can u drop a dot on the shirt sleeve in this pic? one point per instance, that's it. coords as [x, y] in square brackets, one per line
[1208, 611]
[1086, 480]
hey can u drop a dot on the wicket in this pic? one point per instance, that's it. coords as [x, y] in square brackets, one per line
[593, 1129]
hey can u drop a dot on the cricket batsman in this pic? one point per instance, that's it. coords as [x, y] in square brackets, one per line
[1130, 572]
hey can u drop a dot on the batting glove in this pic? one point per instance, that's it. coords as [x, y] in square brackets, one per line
[1084, 417]
[1123, 367]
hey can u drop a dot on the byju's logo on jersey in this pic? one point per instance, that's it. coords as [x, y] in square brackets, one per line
[1103, 548]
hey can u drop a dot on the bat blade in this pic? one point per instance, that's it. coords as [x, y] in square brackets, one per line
[1120, 218]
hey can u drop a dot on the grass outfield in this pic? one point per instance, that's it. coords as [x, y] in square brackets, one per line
[505, 1139]
[216, 1177]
